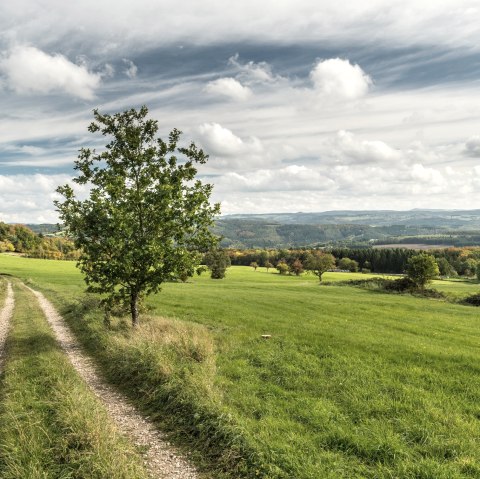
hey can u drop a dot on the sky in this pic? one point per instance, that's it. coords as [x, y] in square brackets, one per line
[302, 105]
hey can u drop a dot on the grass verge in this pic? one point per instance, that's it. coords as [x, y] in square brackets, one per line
[51, 425]
[168, 368]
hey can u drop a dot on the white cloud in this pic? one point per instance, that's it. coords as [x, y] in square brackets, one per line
[339, 79]
[252, 72]
[29, 198]
[222, 142]
[131, 70]
[29, 70]
[228, 87]
[348, 148]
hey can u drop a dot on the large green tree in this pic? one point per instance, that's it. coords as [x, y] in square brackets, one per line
[422, 268]
[147, 218]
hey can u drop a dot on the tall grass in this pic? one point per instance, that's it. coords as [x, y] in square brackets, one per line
[51, 425]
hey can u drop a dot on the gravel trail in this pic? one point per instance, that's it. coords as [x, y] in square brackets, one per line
[5, 316]
[161, 459]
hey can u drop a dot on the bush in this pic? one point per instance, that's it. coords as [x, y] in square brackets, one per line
[473, 300]
[400, 285]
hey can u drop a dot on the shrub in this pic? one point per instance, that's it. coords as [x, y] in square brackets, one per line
[473, 300]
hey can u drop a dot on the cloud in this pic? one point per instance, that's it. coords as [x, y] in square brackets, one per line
[346, 147]
[223, 143]
[29, 198]
[472, 147]
[131, 70]
[252, 72]
[290, 178]
[228, 87]
[30, 70]
[339, 79]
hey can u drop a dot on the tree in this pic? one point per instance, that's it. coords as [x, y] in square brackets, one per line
[254, 265]
[147, 219]
[319, 262]
[217, 261]
[348, 265]
[268, 265]
[445, 268]
[296, 267]
[421, 268]
[282, 267]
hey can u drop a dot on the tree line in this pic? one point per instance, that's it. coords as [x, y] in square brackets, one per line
[451, 261]
[21, 239]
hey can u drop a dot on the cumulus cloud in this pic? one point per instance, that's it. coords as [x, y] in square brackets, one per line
[339, 79]
[229, 88]
[30, 70]
[222, 142]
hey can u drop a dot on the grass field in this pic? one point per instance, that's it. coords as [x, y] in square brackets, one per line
[51, 425]
[352, 384]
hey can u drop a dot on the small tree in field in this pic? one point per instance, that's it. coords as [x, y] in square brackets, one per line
[146, 219]
[319, 262]
[422, 268]
[282, 267]
[268, 265]
[217, 262]
[296, 267]
[254, 265]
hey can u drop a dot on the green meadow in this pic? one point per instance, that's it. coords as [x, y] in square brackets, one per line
[352, 383]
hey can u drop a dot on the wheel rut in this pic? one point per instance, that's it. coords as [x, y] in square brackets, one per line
[161, 459]
[6, 314]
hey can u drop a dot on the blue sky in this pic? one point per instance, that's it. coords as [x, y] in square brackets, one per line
[302, 106]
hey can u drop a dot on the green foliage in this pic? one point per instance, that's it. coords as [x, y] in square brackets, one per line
[282, 267]
[421, 269]
[217, 261]
[319, 262]
[146, 218]
[348, 265]
[473, 299]
[445, 268]
[254, 265]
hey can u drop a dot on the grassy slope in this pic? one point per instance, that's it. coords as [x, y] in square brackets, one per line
[352, 384]
[51, 426]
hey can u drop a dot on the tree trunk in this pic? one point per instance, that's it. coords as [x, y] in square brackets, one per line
[134, 308]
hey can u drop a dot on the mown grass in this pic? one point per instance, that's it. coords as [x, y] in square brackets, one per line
[352, 384]
[51, 426]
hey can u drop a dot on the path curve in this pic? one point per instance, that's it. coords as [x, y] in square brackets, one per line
[161, 460]
[6, 314]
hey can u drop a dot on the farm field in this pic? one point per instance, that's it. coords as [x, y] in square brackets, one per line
[352, 384]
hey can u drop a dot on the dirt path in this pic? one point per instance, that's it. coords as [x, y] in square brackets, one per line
[162, 461]
[5, 316]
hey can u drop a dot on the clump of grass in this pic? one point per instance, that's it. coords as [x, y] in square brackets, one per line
[168, 367]
[51, 425]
